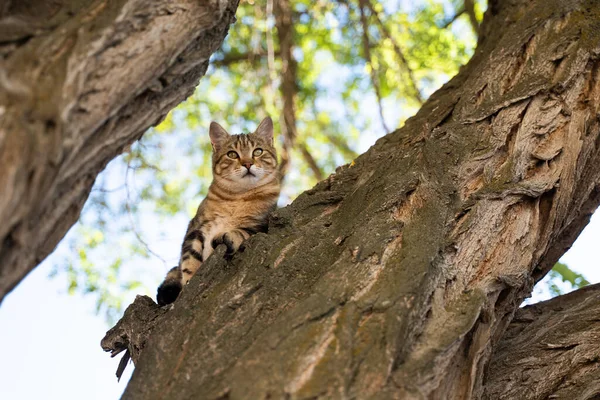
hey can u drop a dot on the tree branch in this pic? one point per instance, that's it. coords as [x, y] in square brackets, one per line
[253, 57]
[399, 53]
[550, 350]
[391, 278]
[368, 59]
[95, 93]
[285, 33]
[341, 145]
[454, 18]
[284, 27]
[309, 159]
[470, 10]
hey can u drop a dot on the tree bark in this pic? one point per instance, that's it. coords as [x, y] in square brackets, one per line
[549, 351]
[79, 82]
[394, 277]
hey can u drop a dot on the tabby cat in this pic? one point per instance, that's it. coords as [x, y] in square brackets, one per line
[243, 192]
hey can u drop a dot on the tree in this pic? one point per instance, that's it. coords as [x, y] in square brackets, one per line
[334, 98]
[396, 276]
[393, 277]
[80, 82]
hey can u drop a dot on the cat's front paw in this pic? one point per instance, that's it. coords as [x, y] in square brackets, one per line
[233, 240]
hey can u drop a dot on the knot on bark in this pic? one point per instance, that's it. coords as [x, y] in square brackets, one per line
[133, 330]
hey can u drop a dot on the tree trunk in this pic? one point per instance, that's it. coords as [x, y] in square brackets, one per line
[79, 82]
[394, 277]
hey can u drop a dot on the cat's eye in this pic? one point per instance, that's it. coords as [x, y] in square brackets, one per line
[257, 152]
[232, 154]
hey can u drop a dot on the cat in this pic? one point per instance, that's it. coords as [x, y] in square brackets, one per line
[244, 191]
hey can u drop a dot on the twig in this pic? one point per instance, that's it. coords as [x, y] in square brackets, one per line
[454, 18]
[470, 9]
[271, 47]
[373, 73]
[102, 190]
[252, 57]
[288, 87]
[341, 144]
[309, 159]
[130, 216]
[398, 51]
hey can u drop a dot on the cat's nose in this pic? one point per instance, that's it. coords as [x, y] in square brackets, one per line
[248, 165]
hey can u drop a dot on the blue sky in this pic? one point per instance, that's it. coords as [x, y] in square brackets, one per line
[51, 344]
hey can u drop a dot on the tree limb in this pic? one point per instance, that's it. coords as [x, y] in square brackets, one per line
[253, 57]
[341, 145]
[399, 53]
[456, 16]
[284, 27]
[369, 60]
[288, 86]
[393, 277]
[549, 351]
[103, 81]
[309, 159]
[470, 10]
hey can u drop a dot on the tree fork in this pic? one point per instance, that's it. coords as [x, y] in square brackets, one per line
[394, 277]
[79, 82]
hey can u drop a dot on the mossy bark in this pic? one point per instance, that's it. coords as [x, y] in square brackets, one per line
[394, 277]
[80, 80]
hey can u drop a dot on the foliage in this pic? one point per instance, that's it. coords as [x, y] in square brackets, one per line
[355, 71]
[561, 273]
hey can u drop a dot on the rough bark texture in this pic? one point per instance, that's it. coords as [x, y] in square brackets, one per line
[131, 333]
[80, 81]
[394, 277]
[550, 351]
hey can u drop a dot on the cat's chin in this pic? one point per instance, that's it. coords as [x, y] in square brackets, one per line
[242, 183]
[249, 181]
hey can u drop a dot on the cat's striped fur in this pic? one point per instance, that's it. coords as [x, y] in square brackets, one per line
[243, 192]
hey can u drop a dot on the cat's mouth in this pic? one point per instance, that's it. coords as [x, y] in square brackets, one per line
[248, 174]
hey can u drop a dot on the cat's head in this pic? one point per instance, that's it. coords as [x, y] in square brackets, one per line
[242, 162]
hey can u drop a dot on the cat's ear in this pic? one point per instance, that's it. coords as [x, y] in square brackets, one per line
[218, 135]
[265, 130]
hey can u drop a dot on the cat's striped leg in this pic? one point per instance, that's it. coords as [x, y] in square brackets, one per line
[191, 255]
[177, 277]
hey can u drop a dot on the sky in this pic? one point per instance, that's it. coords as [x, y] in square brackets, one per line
[51, 344]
